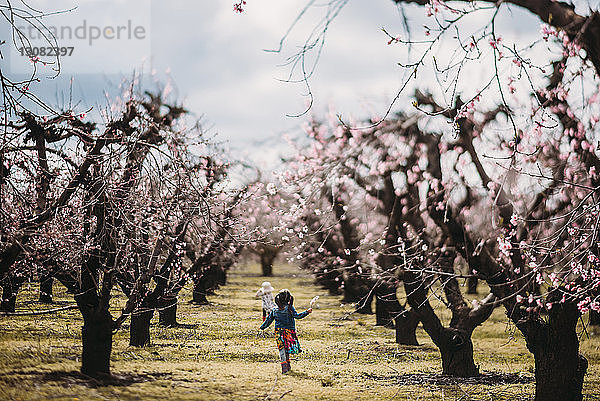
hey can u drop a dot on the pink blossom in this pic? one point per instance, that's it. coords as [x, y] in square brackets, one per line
[504, 245]
[583, 305]
[495, 42]
[547, 31]
[238, 7]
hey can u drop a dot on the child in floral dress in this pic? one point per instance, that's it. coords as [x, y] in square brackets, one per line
[285, 327]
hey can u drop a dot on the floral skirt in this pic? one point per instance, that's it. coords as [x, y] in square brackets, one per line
[288, 340]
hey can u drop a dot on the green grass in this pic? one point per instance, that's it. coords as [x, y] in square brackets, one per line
[223, 358]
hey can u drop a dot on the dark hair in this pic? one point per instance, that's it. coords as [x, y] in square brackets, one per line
[283, 298]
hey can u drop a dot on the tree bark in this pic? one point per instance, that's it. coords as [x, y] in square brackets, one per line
[456, 348]
[267, 267]
[472, 285]
[382, 317]
[559, 375]
[559, 368]
[96, 336]
[267, 257]
[328, 280]
[10, 290]
[207, 279]
[594, 318]
[46, 289]
[199, 293]
[454, 343]
[355, 287]
[354, 290]
[387, 307]
[364, 306]
[220, 274]
[139, 330]
[167, 312]
[199, 298]
[406, 328]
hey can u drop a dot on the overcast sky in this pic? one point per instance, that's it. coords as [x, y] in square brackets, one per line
[216, 60]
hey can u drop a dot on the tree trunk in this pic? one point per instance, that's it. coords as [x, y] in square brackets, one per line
[364, 306]
[46, 289]
[167, 312]
[472, 285]
[266, 261]
[406, 328]
[382, 314]
[207, 280]
[139, 330]
[10, 290]
[559, 368]
[199, 298]
[199, 293]
[267, 268]
[387, 307]
[594, 318]
[96, 336]
[354, 290]
[455, 344]
[220, 274]
[457, 354]
[558, 375]
[328, 280]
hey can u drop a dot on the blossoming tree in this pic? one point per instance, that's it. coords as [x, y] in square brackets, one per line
[505, 171]
[118, 204]
[266, 221]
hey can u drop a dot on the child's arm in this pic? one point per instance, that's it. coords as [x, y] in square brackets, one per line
[300, 315]
[268, 320]
[259, 293]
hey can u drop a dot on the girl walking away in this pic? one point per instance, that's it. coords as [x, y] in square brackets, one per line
[285, 327]
[266, 293]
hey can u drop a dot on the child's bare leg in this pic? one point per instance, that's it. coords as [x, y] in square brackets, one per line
[283, 355]
[285, 361]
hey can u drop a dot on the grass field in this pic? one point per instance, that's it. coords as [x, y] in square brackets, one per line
[223, 358]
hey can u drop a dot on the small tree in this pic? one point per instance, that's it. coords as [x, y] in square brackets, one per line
[267, 220]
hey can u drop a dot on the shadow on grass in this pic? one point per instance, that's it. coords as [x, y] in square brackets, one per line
[70, 378]
[300, 375]
[55, 302]
[179, 326]
[486, 378]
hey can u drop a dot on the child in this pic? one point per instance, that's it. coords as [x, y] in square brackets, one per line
[266, 293]
[285, 327]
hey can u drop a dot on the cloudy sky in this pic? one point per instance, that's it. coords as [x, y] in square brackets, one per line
[217, 62]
